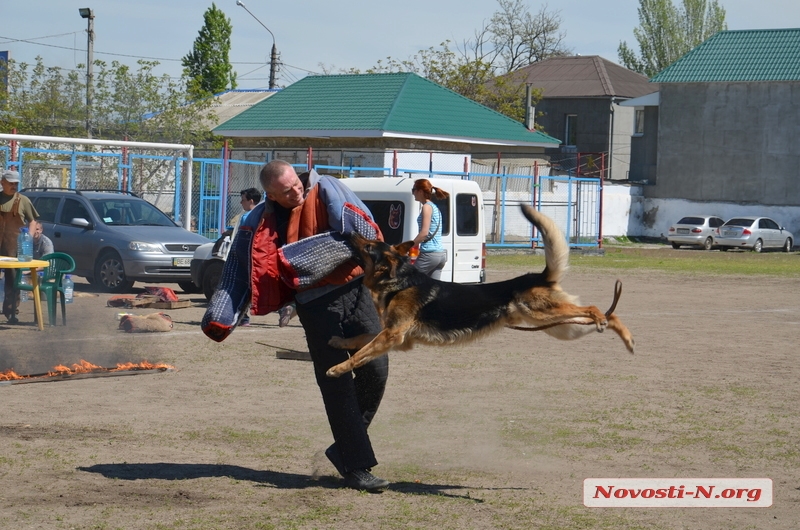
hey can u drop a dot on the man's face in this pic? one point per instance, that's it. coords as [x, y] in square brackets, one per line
[9, 188]
[287, 190]
[37, 231]
[246, 203]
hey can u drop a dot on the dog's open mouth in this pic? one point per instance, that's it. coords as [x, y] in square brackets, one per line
[84, 370]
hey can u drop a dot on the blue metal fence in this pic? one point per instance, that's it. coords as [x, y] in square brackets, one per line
[573, 202]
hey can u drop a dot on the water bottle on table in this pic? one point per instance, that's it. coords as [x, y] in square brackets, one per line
[24, 245]
[69, 287]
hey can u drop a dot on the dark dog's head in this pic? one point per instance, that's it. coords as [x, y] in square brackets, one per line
[380, 260]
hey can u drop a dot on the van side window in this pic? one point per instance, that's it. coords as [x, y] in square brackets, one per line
[467, 214]
[444, 207]
[47, 207]
[390, 216]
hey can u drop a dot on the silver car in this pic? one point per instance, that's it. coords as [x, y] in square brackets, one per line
[696, 230]
[116, 238]
[756, 233]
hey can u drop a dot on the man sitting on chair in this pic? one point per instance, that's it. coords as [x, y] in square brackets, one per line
[42, 245]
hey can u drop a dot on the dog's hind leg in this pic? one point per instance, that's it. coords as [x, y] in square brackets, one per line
[382, 343]
[620, 329]
[563, 312]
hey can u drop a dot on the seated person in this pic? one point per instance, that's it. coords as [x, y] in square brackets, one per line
[42, 244]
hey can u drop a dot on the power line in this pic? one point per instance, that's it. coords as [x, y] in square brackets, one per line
[37, 38]
[289, 75]
[72, 48]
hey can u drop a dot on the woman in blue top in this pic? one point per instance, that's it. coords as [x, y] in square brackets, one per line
[432, 255]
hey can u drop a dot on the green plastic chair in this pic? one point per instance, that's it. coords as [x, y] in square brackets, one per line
[60, 264]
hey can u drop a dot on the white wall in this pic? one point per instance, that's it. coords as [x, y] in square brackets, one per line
[450, 162]
[653, 217]
[617, 201]
[627, 213]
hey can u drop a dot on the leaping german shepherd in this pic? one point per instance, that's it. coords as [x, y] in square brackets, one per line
[415, 308]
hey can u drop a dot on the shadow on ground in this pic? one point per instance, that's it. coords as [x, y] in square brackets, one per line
[170, 471]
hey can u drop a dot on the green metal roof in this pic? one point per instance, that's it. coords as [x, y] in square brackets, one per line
[400, 105]
[741, 55]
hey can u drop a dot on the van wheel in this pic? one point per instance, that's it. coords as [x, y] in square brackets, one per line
[109, 273]
[211, 277]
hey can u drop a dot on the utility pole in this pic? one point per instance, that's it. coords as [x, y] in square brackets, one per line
[89, 15]
[273, 58]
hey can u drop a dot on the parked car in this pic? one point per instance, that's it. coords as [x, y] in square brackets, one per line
[116, 238]
[698, 230]
[756, 233]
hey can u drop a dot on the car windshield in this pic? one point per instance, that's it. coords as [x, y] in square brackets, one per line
[739, 222]
[126, 211]
[691, 221]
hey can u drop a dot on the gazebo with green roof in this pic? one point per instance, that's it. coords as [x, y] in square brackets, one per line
[388, 111]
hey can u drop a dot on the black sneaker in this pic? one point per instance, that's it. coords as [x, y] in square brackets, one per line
[335, 457]
[361, 479]
[13, 320]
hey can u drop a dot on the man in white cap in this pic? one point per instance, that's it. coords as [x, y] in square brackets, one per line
[16, 211]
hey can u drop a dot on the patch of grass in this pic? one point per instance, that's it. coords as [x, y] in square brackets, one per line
[779, 264]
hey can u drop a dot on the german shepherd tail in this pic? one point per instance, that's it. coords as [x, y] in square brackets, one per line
[557, 262]
[556, 250]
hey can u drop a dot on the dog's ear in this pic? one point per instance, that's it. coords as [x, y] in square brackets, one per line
[403, 248]
[356, 239]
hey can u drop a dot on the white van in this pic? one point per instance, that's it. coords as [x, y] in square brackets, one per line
[394, 209]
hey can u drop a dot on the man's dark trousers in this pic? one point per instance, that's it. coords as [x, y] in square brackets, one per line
[350, 402]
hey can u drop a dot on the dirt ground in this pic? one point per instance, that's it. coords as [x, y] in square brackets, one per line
[500, 433]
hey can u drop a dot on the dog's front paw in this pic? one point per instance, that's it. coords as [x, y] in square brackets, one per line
[337, 370]
[338, 343]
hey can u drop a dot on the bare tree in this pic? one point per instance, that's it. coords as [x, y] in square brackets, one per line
[511, 39]
[514, 37]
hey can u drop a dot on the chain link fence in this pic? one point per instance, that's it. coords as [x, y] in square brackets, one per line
[160, 178]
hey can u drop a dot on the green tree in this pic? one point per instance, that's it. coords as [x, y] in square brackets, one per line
[141, 106]
[208, 65]
[137, 105]
[42, 100]
[667, 32]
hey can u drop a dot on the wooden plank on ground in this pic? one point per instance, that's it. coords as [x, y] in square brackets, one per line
[171, 305]
[293, 355]
[154, 303]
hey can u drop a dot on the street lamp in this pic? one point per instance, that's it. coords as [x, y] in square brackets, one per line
[273, 60]
[89, 15]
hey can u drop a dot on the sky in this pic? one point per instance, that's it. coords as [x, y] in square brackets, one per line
[338, 35]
